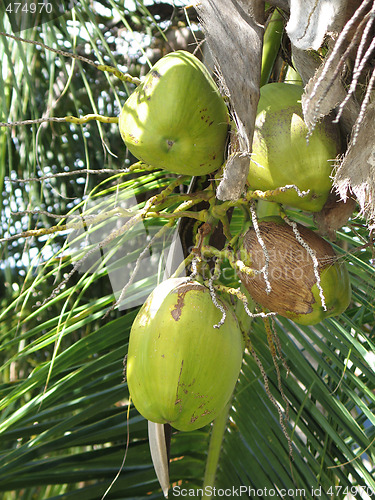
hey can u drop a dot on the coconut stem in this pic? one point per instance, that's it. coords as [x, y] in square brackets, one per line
[84, 220]
[137, 217]
[102, 67]
[217, 435]
[273, 193]
[271, 45]
[267, 208]
[242, 297]
[65, 119]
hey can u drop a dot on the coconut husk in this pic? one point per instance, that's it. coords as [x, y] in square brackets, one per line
[290, 269]
[356, 173]
[234, 34]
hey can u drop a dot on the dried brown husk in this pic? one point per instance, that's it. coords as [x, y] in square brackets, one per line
[291, 270]
[356, 173]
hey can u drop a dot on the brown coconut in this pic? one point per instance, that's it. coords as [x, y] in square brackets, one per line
[291, 269]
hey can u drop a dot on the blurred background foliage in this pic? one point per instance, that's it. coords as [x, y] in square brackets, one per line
[66, 424]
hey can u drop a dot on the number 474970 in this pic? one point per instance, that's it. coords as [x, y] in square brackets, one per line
[29, 8]
[353, 490]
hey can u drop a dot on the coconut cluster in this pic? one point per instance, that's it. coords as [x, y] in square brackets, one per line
[181, 368]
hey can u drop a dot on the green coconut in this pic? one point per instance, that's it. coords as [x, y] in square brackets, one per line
[294, 291]
[176, 118]
[180, 369]
[281, 154]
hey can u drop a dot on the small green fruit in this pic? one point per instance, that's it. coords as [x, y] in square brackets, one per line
[180, 369]
[281, 155]
[294, 292]
[176, 118]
